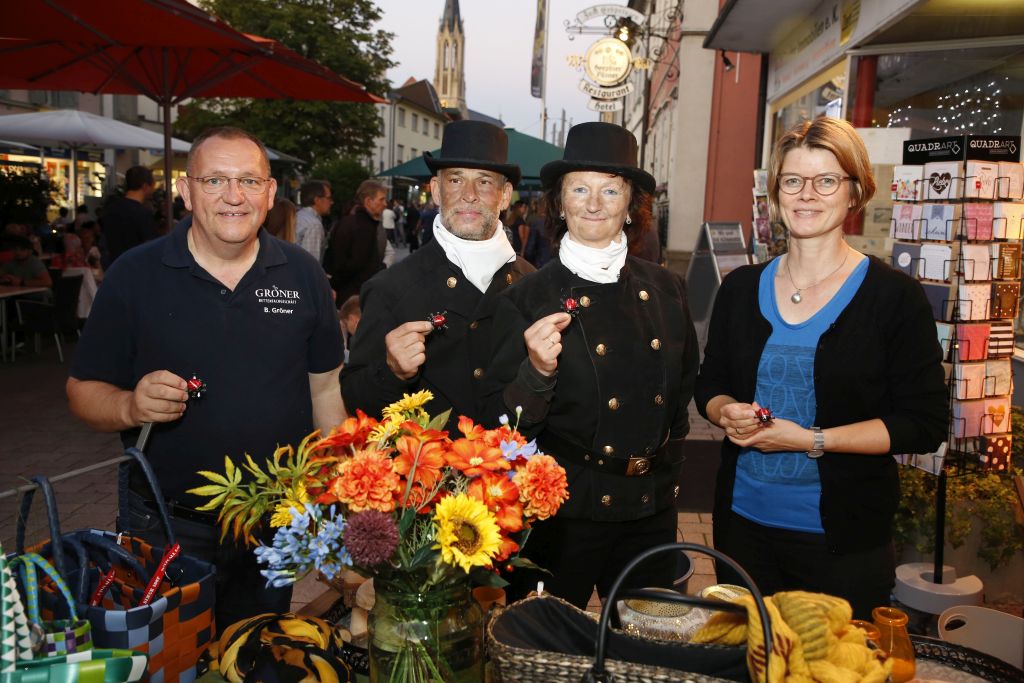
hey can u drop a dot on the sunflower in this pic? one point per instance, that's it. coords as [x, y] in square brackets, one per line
[467, 534]
[409, 406]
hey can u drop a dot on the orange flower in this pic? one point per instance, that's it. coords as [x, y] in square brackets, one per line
[470, 430]
[505, 550]
[542, 486]
[352, 432]
[475, 457]
[500, 495]
[419, 501]
[494, 437]
[428, 459]
[367, 481]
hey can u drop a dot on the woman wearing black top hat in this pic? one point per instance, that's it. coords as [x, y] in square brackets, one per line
[598, 350]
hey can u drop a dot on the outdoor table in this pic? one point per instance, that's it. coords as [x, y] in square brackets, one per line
[7, 292]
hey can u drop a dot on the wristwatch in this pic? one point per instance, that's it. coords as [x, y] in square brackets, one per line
[818, 449]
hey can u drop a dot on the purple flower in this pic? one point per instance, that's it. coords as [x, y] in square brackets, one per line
[371, 537]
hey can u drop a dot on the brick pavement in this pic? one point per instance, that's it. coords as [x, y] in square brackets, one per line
[38, 435]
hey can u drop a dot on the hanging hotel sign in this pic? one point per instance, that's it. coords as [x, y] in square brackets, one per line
[609, 61]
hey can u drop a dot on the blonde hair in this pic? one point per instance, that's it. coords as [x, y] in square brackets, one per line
[833, 135]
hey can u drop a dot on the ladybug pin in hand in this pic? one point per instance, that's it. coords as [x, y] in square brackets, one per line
[439, 321]
[764, 415]
[196, 387]
[571, 306]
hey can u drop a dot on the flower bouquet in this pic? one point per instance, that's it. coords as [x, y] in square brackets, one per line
[426, 516]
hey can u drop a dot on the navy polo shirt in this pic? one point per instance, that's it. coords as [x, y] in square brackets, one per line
[160, 310]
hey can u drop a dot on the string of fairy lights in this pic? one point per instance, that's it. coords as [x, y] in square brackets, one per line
[973, 108]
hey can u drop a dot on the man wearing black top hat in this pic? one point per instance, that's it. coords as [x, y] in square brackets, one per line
[427, 320]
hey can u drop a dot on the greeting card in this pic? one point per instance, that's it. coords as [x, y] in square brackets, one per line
[980, 179]
[907, 257]
[1010, 181]
[969, 380]
[1000, 339]
[997, 415]
[1007, 220]
[967, 418]
[971, 341]
[942, 180]
[978, 221]
[939, 221]
[936, 260]
[1006, 258]
[906, 182]
[973, 299]
[905, 220]
[995, 452]
[940, 298]
[944, 332]
[1005, 298]
[998, 377]
[975, 261]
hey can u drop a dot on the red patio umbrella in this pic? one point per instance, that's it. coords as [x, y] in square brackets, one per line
[167, 50]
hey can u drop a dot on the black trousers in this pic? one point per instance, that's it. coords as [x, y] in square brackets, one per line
[784, 560]
[582, 554]
[241, 591]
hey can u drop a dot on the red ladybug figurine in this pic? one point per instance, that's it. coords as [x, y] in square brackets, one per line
[571, 306]
[196, 387]
[439, 320]
[764, 415]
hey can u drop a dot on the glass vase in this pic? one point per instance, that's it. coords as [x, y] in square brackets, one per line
[894, 641]
[425, 637]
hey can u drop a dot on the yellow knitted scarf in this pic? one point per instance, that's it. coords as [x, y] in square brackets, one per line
[812, 640]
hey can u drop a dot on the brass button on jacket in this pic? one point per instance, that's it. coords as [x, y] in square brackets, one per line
[600, 349]
[608, 450]
[644, 296]
[658, 399]
[645, 499]
[585, 301]
[478, 373]
[655, 343]
[473, 325]
[452, 282]
[606, 500]
[613, 403]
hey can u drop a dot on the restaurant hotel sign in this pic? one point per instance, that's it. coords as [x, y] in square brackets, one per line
[609, 61]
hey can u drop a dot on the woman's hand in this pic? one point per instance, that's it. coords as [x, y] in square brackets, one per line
[739, 420]
[544, 342]
[779, 435]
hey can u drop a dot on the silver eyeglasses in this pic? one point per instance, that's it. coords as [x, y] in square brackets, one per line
[215, 184]
[823, 183]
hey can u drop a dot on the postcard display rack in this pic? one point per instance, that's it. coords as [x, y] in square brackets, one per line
[957, 226]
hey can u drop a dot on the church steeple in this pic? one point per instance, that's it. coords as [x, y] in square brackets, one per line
[449, 81]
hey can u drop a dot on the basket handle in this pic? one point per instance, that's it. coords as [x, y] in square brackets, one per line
[598, 674]
[29, 578]
[154, 486]
[52, 517]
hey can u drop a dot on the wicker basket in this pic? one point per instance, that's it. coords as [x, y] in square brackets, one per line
[967, 660]
[527, 665]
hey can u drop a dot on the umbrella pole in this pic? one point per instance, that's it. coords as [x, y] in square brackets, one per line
[74, 180]
[168, 213]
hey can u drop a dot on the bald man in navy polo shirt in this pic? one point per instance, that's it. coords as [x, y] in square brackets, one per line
[248, 314]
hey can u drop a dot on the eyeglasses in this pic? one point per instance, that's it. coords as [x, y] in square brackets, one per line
[823, 183]
[215, 184]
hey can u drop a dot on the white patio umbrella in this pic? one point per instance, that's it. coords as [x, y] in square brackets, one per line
[76, 129]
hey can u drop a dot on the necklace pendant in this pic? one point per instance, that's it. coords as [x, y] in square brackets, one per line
[796, 298]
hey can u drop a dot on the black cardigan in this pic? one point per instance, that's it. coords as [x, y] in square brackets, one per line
[880, 359]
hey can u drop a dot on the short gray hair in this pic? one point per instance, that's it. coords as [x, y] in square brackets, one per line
[369, 188]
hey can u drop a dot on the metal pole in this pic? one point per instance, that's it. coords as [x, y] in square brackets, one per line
[544, 75]
[940, 526]
[66, 475]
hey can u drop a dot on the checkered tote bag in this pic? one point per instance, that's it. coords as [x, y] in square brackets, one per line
[112, 575]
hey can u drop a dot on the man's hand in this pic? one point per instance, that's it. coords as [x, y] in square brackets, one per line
[159, 396]
[544, 342]
[407, 348]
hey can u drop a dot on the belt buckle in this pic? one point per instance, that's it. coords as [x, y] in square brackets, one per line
[637, 466]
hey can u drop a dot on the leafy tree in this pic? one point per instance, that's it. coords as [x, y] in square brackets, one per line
[339, 34]
[344, 175]
[24, 196]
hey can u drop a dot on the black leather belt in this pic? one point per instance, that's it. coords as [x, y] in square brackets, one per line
[138, 486]
[631, 466]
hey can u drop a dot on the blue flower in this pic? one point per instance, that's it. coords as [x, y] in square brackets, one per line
[311, 541]
[512, 450]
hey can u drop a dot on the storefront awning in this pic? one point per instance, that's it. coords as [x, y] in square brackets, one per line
[755, 25]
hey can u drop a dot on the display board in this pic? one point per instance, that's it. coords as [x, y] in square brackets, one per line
[721, 248]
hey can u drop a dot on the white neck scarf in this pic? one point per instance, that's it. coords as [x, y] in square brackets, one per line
[479, 260]
[597, 265]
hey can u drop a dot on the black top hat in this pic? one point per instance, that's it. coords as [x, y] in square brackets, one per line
[474, 144]
[598, 146]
